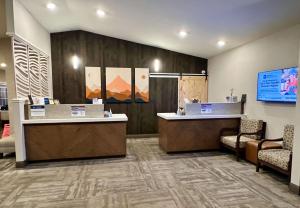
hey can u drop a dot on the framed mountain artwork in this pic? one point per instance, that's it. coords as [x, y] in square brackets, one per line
[118, 85]
[92, 82]
[141, 85]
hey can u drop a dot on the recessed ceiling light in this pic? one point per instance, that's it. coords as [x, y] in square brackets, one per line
[3, 65]
[101, 13]
[221, 43]
[51, 6]
[182, 34]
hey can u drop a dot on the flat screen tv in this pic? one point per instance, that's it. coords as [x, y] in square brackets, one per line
[278, 85]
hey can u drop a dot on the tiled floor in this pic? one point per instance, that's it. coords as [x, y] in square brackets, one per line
[148, 178]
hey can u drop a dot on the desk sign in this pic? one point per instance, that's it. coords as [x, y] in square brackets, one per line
[37, 111]
[77, 111]
[206, 108]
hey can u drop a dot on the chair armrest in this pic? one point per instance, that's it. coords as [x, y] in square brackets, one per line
[251, 133]
[222, 131]
[267, 140]
[242, 133]
[237, 145]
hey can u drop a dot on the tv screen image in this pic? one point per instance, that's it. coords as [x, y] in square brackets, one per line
[278, 85]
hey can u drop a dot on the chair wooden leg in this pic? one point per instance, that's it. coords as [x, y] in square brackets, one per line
[237, 155]
[290, 176]
[257, 166]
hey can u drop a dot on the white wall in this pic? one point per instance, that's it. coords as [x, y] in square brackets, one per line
[30, 30]
[238, 69]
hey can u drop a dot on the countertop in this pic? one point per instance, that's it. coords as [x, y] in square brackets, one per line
[114, 118]
[174, 116]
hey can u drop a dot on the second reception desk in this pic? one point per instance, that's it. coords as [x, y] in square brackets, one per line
[194, 132]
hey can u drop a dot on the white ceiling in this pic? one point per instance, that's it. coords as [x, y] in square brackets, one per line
[157, 22]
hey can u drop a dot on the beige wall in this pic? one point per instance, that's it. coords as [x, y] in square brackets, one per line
[2, 18]
[238, 69]
[30, 30]
[296, 148]
[7, 75]
[2, 76]
[21, 23]
[6, 17]
[6, 56]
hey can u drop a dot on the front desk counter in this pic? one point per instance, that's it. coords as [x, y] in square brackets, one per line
[193, 132]
[57, 139]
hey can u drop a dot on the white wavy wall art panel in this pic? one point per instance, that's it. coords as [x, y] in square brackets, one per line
[21, 68]
[34, 72]
[31, 70]
[44, 66]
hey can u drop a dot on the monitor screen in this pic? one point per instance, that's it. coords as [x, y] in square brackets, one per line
[278, 85]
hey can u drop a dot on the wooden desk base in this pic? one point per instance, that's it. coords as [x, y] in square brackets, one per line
[74, 140]
[192, 135]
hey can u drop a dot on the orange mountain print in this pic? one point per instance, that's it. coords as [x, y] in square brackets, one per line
[92, 82]
[90, 94]
[142, 96]
[142, 85]
[118, 84]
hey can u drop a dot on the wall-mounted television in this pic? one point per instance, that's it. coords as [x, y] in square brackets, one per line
[278, 85]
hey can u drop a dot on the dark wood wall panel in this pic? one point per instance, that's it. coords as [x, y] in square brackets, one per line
[98, 50]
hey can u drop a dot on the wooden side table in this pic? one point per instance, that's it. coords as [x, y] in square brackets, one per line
[251, 149]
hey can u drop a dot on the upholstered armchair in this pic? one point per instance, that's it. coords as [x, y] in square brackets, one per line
[249, 130]
[278, 159]
[7, 145]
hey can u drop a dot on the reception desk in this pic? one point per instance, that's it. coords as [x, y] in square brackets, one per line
[56, 139]
[193, 132]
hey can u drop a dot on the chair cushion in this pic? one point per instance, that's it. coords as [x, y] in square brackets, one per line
[251, 126]
[7, 141]
[277, 157]
[288, 136]
[231, 141]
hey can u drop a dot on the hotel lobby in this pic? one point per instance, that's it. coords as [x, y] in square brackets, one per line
[149, 104]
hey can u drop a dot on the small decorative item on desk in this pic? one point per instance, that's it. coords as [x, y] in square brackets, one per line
[56, 102]
[231, 98]
[106, 114]
[51, 101]
[46, 101]
[228, 99]
[234, 99]
[180, 111]
[110, 113]
[97, 101]
[195, 100]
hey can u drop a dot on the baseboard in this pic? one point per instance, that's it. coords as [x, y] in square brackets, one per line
[136, 136]
[21, 164]
[294, 188]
